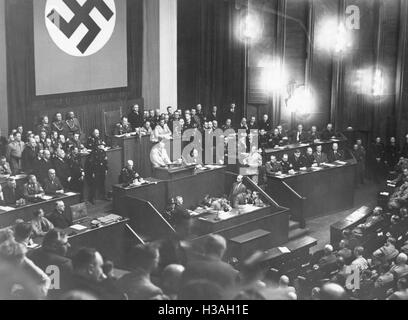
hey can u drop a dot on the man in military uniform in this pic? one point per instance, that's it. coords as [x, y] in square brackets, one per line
[32, 190]
[273, 166]
[73, 125]
[15, 152]
[59, 125]
[44, 126]
[96, 169]
[76, 171]
[128, 174]
[95, 140]
[123, 127]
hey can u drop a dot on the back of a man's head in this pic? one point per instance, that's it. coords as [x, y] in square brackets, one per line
[215, 246]
[171, 278]
[53, 242]
[332, 291]
[83, 259]
[22, 231]
[402, 258]
[145, 257]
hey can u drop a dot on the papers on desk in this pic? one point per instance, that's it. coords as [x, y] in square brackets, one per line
[46, 198]
[342, 163]
[316, 168]
[6, 208]
[305, 144]
[335, 140]
[212, 167]
[330, 165]
[385, 194]
[78, 227]
[284, 249]
[69, 194]
[20, 176]
[32, 245]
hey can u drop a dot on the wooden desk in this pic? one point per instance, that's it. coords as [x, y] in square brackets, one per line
[154, 192]
[326, 191]
[351, 221]
[290, 149]
[112, 240]
[8, 218]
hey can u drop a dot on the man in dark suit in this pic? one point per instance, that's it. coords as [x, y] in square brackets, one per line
[52, 184]
[335, 154]
[265, 123]
[211, 267]
[88, 276]
[11, 193]
[53, 252]
[135, 118]
[29, 156]
[58, 216]
[214, 115]
[61, 167]
[43, 166]
[238, 188]
[328, 133]
[299, 136]
[320, 156]
[313, 134]
[309, 158]
[298, 160]
[231, 114]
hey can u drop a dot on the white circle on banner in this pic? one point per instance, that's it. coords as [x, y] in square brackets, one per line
[80, 28]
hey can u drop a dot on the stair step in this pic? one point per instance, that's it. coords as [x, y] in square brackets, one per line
[297, 233]
[293, 225]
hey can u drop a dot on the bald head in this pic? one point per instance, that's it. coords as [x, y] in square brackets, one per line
[171, 278]
[402, 258]
[332, 291]
[215, 246]
[283, 281]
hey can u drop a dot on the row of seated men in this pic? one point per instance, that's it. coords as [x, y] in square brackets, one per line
[162, 271]
[307, 160]
[153, 274]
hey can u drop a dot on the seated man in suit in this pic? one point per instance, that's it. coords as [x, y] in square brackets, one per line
[128, 174]
[298, 160]
[387, 252]
[328, 133]
[328, 262]
[211, 267]
[40, 224]
[11, 193]
[32, 189]
[320, 156]
[159, 156]
[335, 154]
[299, 136]
[314, 135]
[309, 158]
[52, 184]
[238, 189]
[273, 166]
[5, 170]
[53, 252]
[58, 217]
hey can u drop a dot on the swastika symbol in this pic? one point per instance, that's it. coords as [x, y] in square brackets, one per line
[80, 11]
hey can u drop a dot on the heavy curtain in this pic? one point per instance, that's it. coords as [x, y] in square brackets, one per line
[211, 60]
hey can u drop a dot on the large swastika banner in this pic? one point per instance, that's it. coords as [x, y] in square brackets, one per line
[80, 45]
